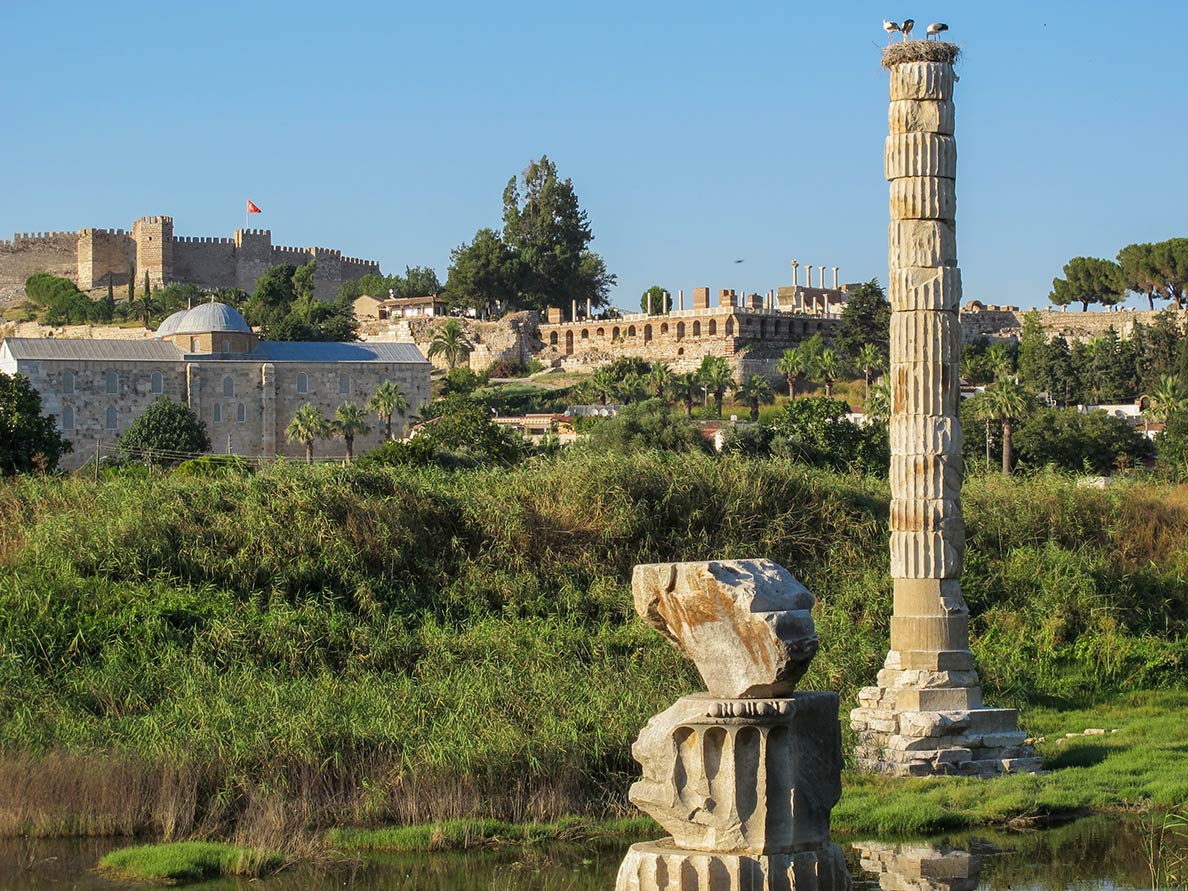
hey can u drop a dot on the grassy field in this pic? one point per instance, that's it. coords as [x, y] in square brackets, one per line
[260, 658]
[182, 862]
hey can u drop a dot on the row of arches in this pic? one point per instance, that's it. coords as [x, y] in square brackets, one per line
[760, 328]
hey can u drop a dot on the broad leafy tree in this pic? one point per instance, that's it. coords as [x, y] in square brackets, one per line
[484, 274]
[866, 319]
[29, 440]
[656, 300]
[650, 424]
[816, 431]
[167, 432]
[1079, 441]
[1089, 280]
[308, 425]
[550, 233]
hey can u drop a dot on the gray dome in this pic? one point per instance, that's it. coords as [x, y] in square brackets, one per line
[169, 326]
[209, 317]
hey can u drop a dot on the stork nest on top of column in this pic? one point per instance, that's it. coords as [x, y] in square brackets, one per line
[920, 51]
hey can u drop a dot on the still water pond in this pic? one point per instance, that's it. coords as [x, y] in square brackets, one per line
[1097, 853]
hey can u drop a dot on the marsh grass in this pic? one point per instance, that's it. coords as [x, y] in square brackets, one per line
[174, 863]
[258, 658]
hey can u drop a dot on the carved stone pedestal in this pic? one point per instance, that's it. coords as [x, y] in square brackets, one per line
[660, 866]
[743, 777]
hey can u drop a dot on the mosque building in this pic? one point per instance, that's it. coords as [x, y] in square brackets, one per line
[244, 389]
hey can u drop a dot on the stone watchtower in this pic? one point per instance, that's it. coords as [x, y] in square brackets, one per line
[154, 249]
[926, 716]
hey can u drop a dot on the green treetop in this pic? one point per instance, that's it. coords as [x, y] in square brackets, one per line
[1089, 280]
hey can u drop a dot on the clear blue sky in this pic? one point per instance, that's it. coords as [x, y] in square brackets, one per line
[695, 133]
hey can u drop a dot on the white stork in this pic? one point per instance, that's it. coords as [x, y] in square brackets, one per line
[890, 28]
[906, 27]
[936, 28]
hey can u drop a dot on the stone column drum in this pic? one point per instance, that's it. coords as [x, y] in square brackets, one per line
[925, 716]
[744, 776]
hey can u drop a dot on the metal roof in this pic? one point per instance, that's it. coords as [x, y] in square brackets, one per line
[294, 351]
[169, 326]
[85, 350]
[210, 317]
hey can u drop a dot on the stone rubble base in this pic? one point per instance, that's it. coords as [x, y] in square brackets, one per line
[661, 866]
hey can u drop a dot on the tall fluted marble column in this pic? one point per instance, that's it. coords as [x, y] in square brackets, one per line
[925, 716]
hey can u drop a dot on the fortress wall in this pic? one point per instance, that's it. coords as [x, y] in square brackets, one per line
[206, 261]
[154, 249]
[253, 256]
[104, 255]
[1072, 326]
[30, 252]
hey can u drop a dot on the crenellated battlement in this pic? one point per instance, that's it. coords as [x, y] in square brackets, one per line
[200, 239]
[95, 257]
[40, 236]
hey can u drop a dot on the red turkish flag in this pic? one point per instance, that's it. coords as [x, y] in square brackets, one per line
[252, 208]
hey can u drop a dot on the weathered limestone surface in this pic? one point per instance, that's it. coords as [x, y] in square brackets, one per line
[745, 623]
[925, 715]
[659, 866]
[763, 781]
[743, 777]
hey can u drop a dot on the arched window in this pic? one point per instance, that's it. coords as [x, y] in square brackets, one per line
[713, 327]
[193, 344]
[630, 330]
[302, 382]
[228, 386]
[158, 383]
[647, 333]
[680, 330]
[585, 334]
[111, 383]
[226, 344]
[112, 417]
[601, 332]
[68, 383]
[241, 413]
[552, 338]
[67, 417]
[729, 327]
[216, 413]
[697, 329]
[344, 384]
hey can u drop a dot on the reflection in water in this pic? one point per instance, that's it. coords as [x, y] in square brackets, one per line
[919, 866]
[1093, 853]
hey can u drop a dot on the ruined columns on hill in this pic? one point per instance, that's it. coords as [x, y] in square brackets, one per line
[925, 715]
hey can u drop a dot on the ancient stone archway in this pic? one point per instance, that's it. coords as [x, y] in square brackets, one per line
[730, 327]
[601, 332]
[630, 330]
[680, 330]
[569, 343]
[615, 333]
[585, 334]
[647, 333]
[712, 328]
[664, 327]
[697, 329]
[552, 338]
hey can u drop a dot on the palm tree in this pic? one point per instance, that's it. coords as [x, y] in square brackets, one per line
[753, 391]
[1168, 399]
[349, 422]
[979, 406]
[1007, 403]
[387, 400]
[604, 385]
[828, 367]
[450, 340]
[660, 378]
[686, 387]
[878, 403]
[870, 360]
[309, 424]
[793, 365]
[717, 378]
[998, 360]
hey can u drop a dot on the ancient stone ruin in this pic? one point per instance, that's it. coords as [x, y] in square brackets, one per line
[926, 716]
[745, 775]
[919, 866]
